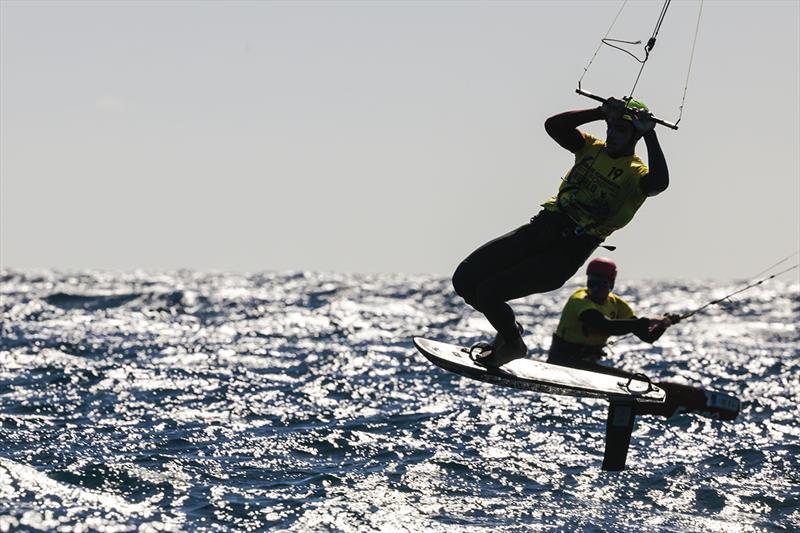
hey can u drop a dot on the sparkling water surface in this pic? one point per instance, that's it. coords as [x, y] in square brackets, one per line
[188, 401]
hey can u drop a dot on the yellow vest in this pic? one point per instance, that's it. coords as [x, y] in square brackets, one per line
[599, 192]
[571, 329]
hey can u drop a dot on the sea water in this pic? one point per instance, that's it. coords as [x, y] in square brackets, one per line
[186, 401]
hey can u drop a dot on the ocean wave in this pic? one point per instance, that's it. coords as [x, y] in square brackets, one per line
[187, 401]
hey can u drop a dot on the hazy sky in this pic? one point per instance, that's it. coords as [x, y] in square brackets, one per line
[378, 136]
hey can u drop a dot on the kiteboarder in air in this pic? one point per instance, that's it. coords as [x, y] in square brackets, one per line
[599, 195]
[593, 314]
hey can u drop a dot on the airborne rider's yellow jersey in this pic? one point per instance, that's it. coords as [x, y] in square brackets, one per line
[571, 329]
[600, 193]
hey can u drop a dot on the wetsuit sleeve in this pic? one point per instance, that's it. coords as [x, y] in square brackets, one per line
[595, 321]
[649, 336]
[657, 178]
[563, 128]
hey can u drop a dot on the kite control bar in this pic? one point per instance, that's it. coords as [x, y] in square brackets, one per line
[601, 99]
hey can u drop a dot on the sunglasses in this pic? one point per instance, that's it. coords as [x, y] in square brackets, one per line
[595, 281]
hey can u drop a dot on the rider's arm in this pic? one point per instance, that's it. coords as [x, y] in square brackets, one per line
[641, 327]
[563, 128]
[595, 321]
[657, 179]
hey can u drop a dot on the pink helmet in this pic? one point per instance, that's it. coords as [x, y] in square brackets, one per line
[602, 266]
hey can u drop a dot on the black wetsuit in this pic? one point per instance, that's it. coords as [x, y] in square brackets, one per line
[535, 258]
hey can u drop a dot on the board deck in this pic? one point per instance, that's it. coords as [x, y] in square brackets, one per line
[528, 374]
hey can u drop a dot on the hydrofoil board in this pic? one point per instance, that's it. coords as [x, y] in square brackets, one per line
[538, 376]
